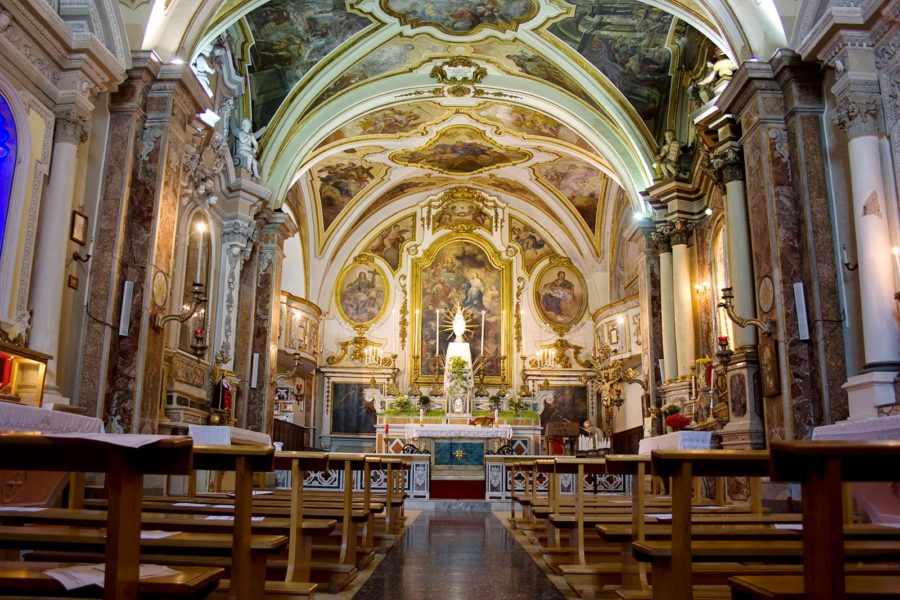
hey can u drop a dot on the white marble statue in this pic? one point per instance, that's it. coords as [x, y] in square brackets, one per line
[247, 147]
[668, 156]
[459, 325]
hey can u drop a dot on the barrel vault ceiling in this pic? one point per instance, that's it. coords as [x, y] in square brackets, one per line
[369, 107]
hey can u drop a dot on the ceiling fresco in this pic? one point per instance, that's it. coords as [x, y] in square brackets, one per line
[532, 244]
[626, 41]
[580, 183]
[461, 150]
[462, 16]
[290, 37]
[530, 122]
[388, 244]
[392, 121]
[399, 54]
[340, 178]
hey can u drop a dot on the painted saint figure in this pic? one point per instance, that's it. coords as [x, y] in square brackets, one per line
[558, 297]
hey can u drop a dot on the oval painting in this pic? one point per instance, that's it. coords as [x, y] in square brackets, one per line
[560, 296]
[361, 294]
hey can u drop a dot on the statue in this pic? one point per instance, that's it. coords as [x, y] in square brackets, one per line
[668, 157]
[459, 325]
[247, 147]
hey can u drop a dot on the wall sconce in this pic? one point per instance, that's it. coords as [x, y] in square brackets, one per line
[728, 304]
[198, 300]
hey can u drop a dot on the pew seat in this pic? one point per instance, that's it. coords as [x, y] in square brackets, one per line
[790, 587]
[28, 579]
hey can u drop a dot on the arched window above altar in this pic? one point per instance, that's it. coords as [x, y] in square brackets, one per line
[8, 148]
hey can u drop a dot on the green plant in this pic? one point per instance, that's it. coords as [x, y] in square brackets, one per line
[670, 409]
[495, 402]
[517, 405]
[401, 404]
[424, 401]
[457, 366]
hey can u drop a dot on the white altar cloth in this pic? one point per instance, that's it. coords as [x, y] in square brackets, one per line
[679, 440]
[20, 417]
[458, 431]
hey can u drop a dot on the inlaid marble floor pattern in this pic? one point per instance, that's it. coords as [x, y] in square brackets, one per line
[458, 555]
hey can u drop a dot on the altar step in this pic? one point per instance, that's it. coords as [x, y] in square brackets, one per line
[457, 505]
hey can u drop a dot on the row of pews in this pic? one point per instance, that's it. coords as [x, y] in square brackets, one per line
[246, 544]
[689, 544]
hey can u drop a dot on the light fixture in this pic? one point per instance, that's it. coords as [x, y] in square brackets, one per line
[201, 227]
[708, 211]
[177, 61]
[638, 216]
[701, 288]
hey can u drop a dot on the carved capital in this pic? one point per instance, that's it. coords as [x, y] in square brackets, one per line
[679, 231]
[238, 233]
[660, 242]
[728, 163]
[857, 114]
[72, 126]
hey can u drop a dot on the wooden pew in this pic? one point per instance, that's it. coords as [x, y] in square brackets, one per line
[821, 468]
[124, 468]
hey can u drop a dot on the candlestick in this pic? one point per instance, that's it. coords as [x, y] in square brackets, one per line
[393, 329]
[481, 353]
[437, 333]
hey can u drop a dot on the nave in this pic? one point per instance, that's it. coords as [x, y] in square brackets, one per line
[456, 553]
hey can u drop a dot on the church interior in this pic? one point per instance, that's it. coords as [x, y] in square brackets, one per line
[489, 267]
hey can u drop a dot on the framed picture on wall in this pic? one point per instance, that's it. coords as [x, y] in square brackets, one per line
[350, 413]
[79, 228]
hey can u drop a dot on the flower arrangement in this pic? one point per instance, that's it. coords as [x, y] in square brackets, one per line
[495, 402]
[670, 409]
[677, 422]
[457, 366]
[424, 401]
[517, 404]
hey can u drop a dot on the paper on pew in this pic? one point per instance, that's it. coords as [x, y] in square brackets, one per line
[228, 518]
[255, 493]
[82, 575]
[127, 440]
[156, 534]
[792, 526]
[191, 504]
[228, 506]
[659, 515]
[22, 508]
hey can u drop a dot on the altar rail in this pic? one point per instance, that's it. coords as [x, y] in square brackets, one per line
[418, 483]
[496, 481]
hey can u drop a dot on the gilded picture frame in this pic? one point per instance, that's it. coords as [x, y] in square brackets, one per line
[361, 294]
[560, 295]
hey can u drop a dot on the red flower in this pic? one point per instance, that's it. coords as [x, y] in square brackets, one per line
[677, 422]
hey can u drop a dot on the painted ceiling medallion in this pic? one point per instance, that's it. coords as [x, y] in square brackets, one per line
[461, 150]
[458, 70]
[462, 17]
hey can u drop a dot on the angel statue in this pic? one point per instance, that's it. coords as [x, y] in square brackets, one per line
[668, 156]
[247, 147]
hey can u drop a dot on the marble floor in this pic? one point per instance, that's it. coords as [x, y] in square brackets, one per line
[458, 555]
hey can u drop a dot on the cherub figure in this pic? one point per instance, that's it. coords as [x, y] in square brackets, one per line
[247, 147]
[668, 156]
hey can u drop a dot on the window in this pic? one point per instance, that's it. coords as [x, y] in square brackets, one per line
[7, 163]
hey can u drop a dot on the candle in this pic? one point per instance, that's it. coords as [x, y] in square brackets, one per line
[693, 384]
[896, 252]
[844, 255]
[393, 328]
[482, 333]
[417, 322]
[199, 252]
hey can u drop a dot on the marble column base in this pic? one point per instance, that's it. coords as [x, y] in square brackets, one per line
[867, 391]
[745, 429]
[53, 396]
[676, 392]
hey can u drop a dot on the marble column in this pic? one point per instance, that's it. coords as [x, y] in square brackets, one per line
[680, 232]
[857, 114]
[53, 241]
[667, 306]
[274, 228]
[729, 161]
